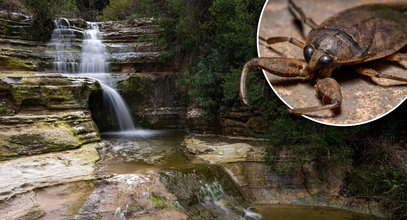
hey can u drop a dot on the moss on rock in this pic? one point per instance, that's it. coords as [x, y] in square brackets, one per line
[15, 63]
[36, 138]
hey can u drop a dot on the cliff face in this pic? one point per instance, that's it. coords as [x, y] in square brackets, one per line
[44, 113]
[47, 137]
[148, 83]
[150, 88]
[282, 183]
[16, 50]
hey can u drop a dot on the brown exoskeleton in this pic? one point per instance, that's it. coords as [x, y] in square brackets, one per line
[348, 38]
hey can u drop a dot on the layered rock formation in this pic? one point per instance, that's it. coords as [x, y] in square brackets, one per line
[308, 184]
[235, 122]
[47, 138]
[16, 50]
[151, 89]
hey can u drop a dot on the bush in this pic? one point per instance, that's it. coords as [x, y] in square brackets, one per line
[12, 6]
[44, 12]
[120, 9]
[126, 9]
[216, 37]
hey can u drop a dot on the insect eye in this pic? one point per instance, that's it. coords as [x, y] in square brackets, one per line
[325, 60]
[308, 50]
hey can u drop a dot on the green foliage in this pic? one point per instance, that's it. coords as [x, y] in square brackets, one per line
[372, 149]
[90, 9]
[160, 203]
[380, 177]
[127, 9]
[44, 12]
[119, 9]
[11, 6]
[216, 37]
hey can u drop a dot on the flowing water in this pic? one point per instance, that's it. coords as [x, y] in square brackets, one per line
[93, 64]
[160, 151]
[136, 151]
[62, 47]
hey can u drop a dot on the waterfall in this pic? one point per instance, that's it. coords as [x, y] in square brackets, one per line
[213, 197]
[93, 64]
[61, 47]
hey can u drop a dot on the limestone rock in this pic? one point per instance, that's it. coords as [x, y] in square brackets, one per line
[154, 100]
[222, 153]
[133, 196]
[30, 123]
[235, 122]
[25, 174]
[53, 202]
[305, 184]
[47, 138]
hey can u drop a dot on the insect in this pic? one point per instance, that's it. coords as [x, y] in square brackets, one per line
[348, 38]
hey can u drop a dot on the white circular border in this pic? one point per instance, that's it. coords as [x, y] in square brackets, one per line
[308, 117]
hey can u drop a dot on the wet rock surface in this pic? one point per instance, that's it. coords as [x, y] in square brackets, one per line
[155, 99]
[235, 122]
[17, 51]
[308, 184]
[130, 196]
[44, 113]
[47, 138]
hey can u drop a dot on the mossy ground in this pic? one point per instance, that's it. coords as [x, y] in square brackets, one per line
[15, 64]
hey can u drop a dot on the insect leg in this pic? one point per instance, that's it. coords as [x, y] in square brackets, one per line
[273, 40]
[330, 94]
[306, 20]
[396, 57]
[279, 66]
[373, 73]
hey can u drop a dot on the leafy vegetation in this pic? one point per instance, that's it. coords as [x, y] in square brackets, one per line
[44, 12]
[375, 152]
[161, 203]
[215, 38]
[12, 6]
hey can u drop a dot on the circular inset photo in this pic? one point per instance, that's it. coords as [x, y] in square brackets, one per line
[339, 62]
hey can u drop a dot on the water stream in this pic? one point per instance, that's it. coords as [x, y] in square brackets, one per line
[61, 47]
[136, 151]
[92, 64]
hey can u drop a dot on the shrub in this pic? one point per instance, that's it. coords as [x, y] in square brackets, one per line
[44, 12]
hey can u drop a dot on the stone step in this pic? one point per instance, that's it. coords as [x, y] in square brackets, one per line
[135, 57]
[133, 47]
[20, 42]
[137, 22]
[117, 38]
[25, 22]
[37, 53]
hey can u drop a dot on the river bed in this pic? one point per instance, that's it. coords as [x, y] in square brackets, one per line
[161, 151]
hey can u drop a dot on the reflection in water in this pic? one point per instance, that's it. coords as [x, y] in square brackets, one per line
[137, 133]
[214, 198]
[132, 151]
[145, 150]
[297, 212]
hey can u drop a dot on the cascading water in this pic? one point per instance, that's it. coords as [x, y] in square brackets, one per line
[93, 64]
[214, 197]
[61, 47]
